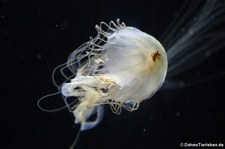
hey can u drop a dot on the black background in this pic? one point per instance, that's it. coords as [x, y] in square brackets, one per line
[36, 36]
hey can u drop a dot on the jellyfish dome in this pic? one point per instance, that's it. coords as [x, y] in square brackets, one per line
[121, 66]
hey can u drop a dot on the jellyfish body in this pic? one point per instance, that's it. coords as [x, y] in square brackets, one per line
[121, 66]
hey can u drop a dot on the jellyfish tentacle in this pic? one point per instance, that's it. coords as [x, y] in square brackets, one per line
[116, 107]
[91, 124]
[188, 48]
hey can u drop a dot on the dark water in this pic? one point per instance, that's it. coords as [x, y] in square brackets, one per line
[36, 36]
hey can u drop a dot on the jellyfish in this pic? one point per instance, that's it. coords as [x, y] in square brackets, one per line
[123, 66]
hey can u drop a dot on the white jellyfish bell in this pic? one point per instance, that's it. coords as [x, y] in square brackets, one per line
[121, 66]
